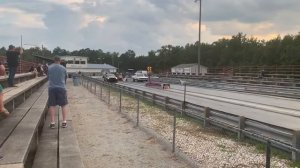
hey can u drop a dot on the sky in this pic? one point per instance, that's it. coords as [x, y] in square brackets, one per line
[140, 25]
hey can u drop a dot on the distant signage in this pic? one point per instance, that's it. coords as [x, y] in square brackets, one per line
[179, 70]
[76, 65]
[187, 70]
[149, 69]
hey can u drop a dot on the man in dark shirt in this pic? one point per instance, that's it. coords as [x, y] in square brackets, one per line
[12, 56]
[63, 63]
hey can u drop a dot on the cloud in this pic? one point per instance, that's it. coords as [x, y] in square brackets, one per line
[87, 19]
[142, 25]
[72, 4]
[21, 19]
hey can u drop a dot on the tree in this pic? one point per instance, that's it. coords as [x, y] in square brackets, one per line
[2, 51]
[60, 52]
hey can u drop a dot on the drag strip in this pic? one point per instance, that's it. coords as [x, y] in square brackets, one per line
[273, 110]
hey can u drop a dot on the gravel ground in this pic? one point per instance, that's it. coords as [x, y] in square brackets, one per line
[207, 147]
[107, 139]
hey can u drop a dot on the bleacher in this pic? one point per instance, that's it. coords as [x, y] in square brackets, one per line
[26, 141]
[282, 76]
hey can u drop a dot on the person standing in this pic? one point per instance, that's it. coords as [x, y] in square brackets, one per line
[57, 92]
[3, 110]
[63, 63]
[12, 56]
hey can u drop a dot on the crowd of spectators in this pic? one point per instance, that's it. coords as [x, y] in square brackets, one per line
[39, 70]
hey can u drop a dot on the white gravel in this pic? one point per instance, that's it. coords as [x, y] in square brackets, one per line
[207, 147]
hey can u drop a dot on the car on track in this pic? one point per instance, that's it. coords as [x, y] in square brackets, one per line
[110, 78]
[139, 77]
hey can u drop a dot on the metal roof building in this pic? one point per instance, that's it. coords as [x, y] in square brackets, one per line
[79, 63]
[188, 69]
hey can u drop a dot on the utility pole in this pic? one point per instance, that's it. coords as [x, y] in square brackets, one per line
[199, 44]
[20, 55]
[21, 42]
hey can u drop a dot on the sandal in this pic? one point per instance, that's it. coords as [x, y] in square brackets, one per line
[5, 112]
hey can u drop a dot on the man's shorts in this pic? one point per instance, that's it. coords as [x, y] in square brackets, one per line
[57, 96]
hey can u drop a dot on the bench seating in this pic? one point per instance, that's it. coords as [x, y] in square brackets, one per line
[17, 95]
[19, 132]
[58, 148]
[18, 78]
[46, 154]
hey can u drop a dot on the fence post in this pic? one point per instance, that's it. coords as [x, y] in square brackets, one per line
[241, 128]
[91, 87]
[135, 93]
[120, 108]
[100, 92]
[95, 89]
[268, 154]
[206, 117]
[296, 144]
[166, 102]
[174, 132]
[24, 97]
[153, 99]
[138, 111]
[183, 107]
[144, 95]
[108, 94]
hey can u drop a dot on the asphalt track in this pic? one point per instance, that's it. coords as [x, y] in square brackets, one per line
[283, 112]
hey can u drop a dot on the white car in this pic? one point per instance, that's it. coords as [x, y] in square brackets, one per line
[139, 77]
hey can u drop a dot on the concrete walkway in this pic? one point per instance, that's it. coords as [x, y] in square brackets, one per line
[107, 139]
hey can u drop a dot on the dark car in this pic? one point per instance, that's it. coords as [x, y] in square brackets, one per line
[110, 78]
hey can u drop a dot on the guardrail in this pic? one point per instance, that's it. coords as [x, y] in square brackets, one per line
[285, 139]
[289, 92]
[270, 79]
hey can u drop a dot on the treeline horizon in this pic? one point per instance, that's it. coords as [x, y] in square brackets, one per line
[239, 50]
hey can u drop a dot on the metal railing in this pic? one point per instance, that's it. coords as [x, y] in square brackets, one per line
[282, 91]
[282, 138]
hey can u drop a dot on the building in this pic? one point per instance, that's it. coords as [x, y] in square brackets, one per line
[188, 69]
[74, 64]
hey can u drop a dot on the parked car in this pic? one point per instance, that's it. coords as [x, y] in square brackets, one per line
[139, 77]
[110, 78]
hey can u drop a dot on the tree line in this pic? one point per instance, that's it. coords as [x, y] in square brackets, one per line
[239, 50]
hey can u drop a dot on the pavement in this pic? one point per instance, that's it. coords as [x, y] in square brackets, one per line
[283, 112]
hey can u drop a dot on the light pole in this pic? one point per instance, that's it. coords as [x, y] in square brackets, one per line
[199, 44]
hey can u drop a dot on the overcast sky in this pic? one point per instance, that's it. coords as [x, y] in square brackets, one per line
[141, 25]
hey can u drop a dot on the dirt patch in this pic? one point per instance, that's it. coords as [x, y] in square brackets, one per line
[106, 139]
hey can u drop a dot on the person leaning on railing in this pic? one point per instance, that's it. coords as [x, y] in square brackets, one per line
[12, 55]
[3, 110]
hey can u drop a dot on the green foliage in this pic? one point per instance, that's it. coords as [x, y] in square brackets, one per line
[239, 50]
[2, 51]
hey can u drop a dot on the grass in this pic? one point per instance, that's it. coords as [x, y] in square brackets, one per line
[261, 148]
